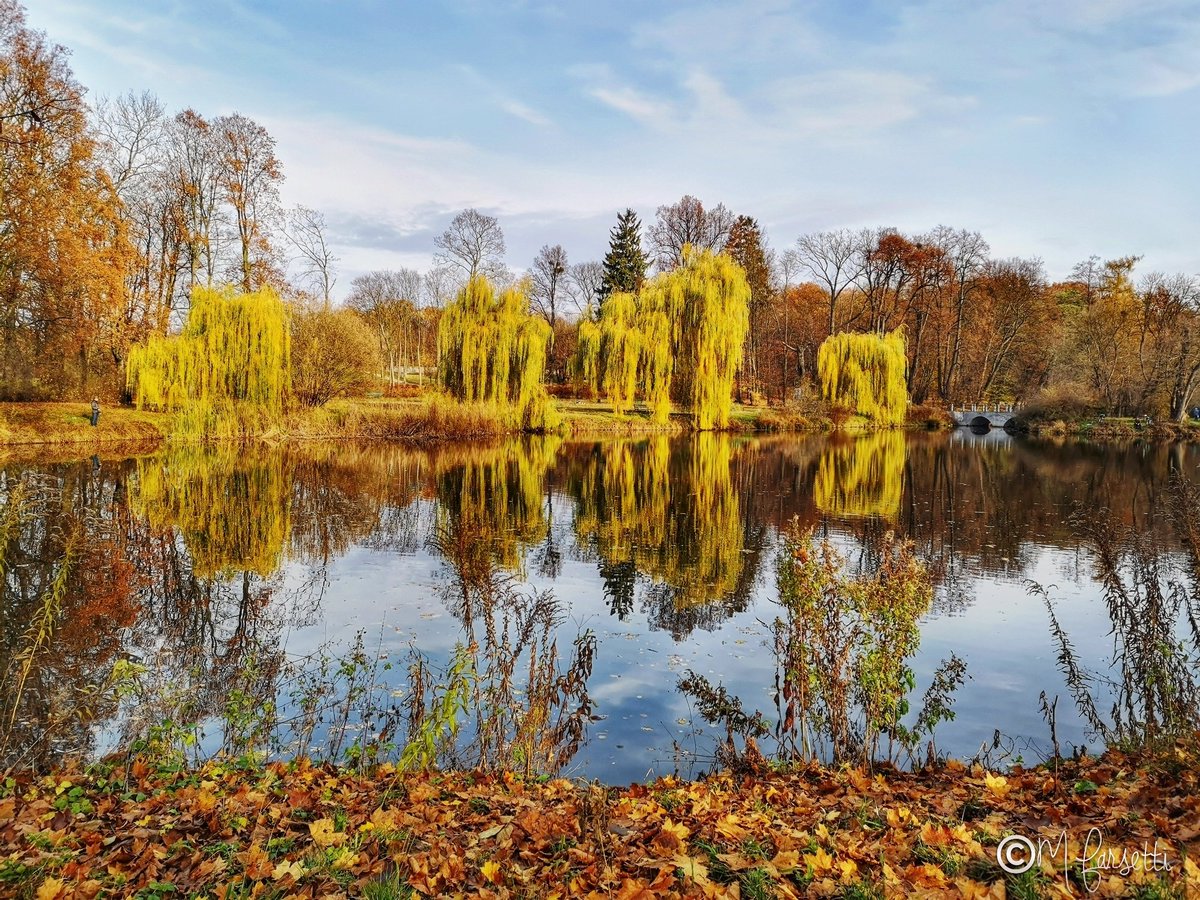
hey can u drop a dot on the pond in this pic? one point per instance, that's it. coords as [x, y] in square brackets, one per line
[324, 598]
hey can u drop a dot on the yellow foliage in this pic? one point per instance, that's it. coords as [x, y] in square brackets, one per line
[862, 478]
[866, 371]
[706, 302]
[493, 349]
[233, 509]
[233, 356]
[672, 511]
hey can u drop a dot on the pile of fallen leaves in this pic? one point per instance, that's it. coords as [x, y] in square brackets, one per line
[285, 830]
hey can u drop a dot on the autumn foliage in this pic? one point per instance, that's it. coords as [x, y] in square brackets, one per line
[305, 831]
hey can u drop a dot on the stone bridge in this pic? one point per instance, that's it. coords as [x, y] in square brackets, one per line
[983, 416]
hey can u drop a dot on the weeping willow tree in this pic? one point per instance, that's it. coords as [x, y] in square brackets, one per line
[862, 478]
[707, 303]
[232, 508]
[658, 354]
[233, 357]
[866, 372]
[492, 349]
[609, 352]
[585, 363]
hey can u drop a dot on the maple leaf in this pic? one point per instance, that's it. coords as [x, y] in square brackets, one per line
[820, 863]
[997, 784]
[491, 871]
[50, 888]
[286, 869]
[324, 835]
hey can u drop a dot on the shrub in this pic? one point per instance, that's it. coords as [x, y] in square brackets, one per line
[334, 354]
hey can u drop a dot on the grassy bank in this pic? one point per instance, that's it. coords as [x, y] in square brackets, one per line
[237, 830]
[68, 424]
[1112, 428]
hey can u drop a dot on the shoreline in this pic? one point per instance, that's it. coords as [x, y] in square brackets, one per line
[422, 421]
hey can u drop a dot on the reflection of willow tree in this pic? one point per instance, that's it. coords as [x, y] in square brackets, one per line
[668, 511]
[491, 508]
[66, 596]
[1152, 599]
[232, 507]
[862, 478]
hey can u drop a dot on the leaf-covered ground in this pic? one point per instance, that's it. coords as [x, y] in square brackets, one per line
[297, 830]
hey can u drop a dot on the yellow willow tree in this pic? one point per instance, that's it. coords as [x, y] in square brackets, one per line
[233, 358]
[707, 303]
[866, 372]
[493, 350]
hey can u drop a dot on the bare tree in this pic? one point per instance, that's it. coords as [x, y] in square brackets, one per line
[388, 300]
[473, 243]
[834, 259]
[688, 223]
[582, 285]
[250, 176]
[305, 230]
[132, 131]
[440, 284]
[548, 276]
[136, 149]
[967, 253]
[195, 166]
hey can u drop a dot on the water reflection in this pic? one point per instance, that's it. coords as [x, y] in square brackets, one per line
[665, 512]
[215, 570]
[862, 477]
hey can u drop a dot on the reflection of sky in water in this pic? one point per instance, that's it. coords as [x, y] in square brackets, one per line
[989, 514]
[1003, 637]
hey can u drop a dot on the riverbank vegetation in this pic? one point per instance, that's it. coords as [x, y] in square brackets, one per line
[165, 225]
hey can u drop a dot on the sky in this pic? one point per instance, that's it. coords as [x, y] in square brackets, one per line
[1056, 128]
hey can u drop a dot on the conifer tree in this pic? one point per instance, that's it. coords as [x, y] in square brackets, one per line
[625, 263]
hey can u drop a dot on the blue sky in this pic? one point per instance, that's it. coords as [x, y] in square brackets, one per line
[1057, 128]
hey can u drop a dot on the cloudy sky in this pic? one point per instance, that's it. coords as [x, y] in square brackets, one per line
[1057, 128]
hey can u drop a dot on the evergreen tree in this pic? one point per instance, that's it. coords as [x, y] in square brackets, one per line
[625, 263]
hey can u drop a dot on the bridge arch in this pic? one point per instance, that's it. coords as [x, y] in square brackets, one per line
[981, 423]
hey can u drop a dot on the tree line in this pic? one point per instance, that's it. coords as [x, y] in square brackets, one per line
[116, 214]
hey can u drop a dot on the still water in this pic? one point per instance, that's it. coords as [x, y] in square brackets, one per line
[265, 598]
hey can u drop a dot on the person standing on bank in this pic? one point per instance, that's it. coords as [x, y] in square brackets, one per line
[95, 411]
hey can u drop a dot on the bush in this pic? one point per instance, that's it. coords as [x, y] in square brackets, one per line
[1059, 403]
[334, 354]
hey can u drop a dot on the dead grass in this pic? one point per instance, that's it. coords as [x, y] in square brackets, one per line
[67, 424]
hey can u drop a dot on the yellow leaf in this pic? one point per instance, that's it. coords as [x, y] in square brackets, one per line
[786, 861]
[820, 862]
[491, 871]
[679, 830]
[50, 888]
[692, 868]
[849, 869]
[205, 802]
[292, 868]
[997, 784]
[324, 835]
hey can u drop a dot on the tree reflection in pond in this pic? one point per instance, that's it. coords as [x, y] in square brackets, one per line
[667, 511]
[862, 477]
